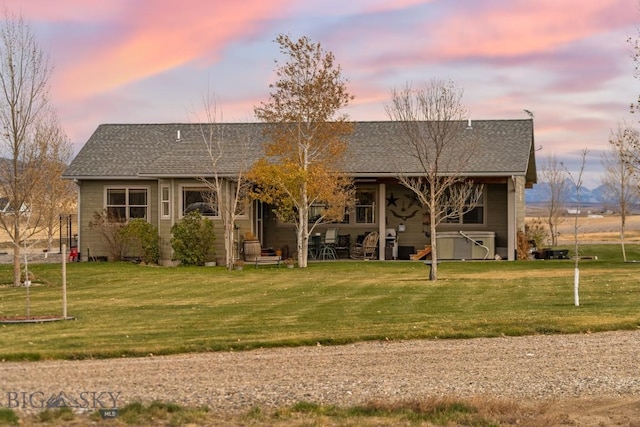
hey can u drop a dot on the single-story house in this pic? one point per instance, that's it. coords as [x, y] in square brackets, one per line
[154, 171]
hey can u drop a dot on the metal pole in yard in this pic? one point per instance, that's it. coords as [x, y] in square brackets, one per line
[64, 281]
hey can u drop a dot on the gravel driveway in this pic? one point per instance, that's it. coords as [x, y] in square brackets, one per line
[602, 365]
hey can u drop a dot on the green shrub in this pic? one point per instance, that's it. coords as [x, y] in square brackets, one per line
[8, 417]
[120, 236]
[193, 239]
[51, 415]
[143, 238]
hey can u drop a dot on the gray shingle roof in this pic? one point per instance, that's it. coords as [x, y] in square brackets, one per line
[504, 148]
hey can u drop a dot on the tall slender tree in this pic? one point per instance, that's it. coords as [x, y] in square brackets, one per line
[54, 196]
[302, 166]
[433, 126]
[576, 186]
[229, 194]
[24, 103]
[619, 180]
[556, 187]
[632, 149]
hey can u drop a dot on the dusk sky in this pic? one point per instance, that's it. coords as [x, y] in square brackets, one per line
[151, 61]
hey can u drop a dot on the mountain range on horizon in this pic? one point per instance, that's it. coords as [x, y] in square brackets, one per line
[598, 196]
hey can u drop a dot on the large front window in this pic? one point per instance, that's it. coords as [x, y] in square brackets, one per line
[124, 204]
[198, 199]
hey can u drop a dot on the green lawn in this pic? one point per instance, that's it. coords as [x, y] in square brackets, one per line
[131, 310]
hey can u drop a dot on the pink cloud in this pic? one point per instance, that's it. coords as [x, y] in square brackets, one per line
[65, 10]
[523, 27]
[490, 31]
[152, 37]
[386, 6]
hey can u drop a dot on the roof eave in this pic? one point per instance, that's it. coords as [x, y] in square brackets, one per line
[415, 174]
[100, 177]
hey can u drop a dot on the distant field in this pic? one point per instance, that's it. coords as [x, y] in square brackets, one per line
[39, 241]
[597, 229]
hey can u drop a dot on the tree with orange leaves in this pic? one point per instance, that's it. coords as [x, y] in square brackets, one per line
[302, 167]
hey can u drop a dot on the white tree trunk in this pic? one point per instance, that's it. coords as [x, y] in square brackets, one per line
[228, 242]
[434, 252]
[303, 242]
[624, 252]
[16, 252]
[576, 286]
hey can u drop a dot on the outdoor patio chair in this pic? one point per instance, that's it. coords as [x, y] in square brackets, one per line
[327, 249]
[343, 245]
[366, 249]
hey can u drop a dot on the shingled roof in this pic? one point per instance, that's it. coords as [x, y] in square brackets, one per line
[134, 151]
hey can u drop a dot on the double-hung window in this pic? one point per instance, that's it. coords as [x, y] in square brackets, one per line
[123, 204]
[365, 211]
[165, 202]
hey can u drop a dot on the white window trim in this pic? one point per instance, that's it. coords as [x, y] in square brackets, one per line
[127, 188]
[163, 202]
[181, 206]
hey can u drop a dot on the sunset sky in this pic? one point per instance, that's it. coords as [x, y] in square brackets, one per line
[151, 61]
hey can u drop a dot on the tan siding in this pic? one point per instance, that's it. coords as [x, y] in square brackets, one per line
[91, 197]
[164, 225]
[497, 214]
[92, 201]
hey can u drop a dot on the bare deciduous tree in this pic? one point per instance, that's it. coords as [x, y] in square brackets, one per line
[635, 56]
[229, 193]
[556, 187]
[24, 102]
[54, 196]
[576, 184]
[109, 229]
[303, 162]
[619, 180]
[433, 125]
[632, 151]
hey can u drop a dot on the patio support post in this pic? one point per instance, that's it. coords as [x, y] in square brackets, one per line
[512, 234]
[382, 219]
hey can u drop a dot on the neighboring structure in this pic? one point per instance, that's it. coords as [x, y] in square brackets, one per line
[7, 209]
[152, 171]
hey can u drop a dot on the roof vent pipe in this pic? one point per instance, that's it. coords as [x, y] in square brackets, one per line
[469, 124]
[178, 136]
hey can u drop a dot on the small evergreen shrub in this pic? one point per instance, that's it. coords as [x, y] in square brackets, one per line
[143, 238]
[193, 239]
